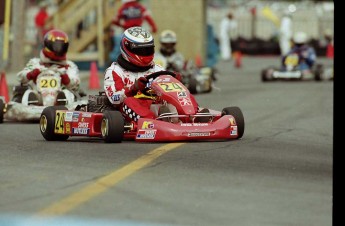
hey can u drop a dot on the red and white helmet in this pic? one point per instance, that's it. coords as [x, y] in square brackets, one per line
[55, 45]
[137, 46]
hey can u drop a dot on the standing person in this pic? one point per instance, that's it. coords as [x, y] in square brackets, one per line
[127, 75]
[227, 24]
[285, 34]
[52, 56]
[40, 21]
[130, 14]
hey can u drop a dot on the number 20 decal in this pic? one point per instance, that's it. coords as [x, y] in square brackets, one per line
[48, 83]
[59, 122]
[171, 87]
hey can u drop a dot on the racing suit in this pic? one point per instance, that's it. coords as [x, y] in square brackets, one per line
[118, 79]
[68, 71]
[306, 54]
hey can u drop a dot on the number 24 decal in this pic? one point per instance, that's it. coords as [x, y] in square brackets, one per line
[171, 87]
[59, 122]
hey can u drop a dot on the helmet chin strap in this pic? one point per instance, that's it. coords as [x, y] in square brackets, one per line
[131, 67]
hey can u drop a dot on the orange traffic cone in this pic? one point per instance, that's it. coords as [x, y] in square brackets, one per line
[238, 59]
[198, 61]
[93, 80]
[3, 87]
[330, 51]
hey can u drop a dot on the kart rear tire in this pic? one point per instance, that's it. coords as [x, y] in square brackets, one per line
[2, 107]
[47, 124]
[238, 115]
[319, 73]
[192, 86]
[264, 76]
[112, 127]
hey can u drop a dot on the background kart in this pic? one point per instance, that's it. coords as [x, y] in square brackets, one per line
[196, 79]
[180, 123]
[291, 71]
[48, 90]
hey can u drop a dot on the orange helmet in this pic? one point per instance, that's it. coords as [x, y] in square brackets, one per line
[55, 45]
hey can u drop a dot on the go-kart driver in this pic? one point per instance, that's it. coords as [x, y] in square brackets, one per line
[126, 76]
[306, 53]
[52, 56]
[174, 59]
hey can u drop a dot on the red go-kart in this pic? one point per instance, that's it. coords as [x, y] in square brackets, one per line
[181, 123]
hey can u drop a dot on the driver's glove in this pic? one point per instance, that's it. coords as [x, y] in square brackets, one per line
[139, 84]
[65, 79]
[32, 75]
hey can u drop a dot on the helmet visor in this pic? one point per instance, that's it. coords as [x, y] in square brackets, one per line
[59, 47]
[141, 49]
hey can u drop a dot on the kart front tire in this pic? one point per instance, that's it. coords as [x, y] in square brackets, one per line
[238, 115]
[112, 127]
[2, 108]
[47, 124]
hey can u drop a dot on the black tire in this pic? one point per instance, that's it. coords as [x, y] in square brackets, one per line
[192, 85]
[112, 127]
[47, 124]
[319, 72]
[264, 75]
[238, 115]
[2, 107]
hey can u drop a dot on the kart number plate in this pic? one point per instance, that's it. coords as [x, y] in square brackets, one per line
[171, 87]
[291, 60]
[59, 122]
[48, 83]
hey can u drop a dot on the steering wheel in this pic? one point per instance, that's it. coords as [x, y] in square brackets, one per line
[153, 76]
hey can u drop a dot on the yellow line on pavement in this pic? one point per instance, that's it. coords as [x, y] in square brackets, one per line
[78, 198]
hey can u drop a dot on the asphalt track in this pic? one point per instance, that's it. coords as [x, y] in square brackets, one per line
[279, 173]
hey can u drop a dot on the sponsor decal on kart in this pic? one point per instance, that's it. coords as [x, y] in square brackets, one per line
[86, 115]
[83, 131]
[181, 94]
[199, 134]
[68, 116]
[68, 128]
[146, 134]
[185, 101]
[171, 87]
[194, 124]
[75, 117]
[59, 122]
[232, 121]
[83, 124]
[233, 130]
[147, 125]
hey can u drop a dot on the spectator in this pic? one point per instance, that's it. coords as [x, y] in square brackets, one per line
[40, 21]
[285, 34]
[130, 14]
[227, 24]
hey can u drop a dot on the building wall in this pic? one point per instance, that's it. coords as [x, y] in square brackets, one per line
[187, 18]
